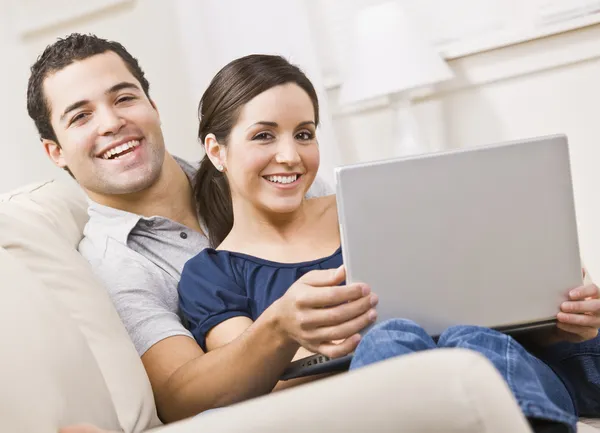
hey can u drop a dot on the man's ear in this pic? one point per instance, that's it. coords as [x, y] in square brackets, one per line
[215, 151]
[156, 109]
[54, 152]
[154, 106]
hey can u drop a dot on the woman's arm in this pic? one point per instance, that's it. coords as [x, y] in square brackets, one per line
[238, 366]
[186, 381]
[231, 329]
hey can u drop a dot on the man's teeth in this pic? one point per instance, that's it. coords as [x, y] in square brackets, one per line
[115, 152]
[282, 179]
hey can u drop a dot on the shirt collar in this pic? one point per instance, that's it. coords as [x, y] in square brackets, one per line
[116, 223]
[110, 222]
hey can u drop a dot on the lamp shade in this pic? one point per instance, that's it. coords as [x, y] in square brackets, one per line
[387, 55]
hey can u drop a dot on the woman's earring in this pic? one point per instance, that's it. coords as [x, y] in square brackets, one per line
[220, 167]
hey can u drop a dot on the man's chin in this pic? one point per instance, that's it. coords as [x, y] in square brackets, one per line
[116, 187]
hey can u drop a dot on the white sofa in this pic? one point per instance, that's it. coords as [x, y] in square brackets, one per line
[67, 359]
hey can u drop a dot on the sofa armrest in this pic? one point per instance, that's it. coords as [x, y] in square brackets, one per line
[444, 390]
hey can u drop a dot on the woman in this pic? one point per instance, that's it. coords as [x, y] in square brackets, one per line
[277, 256]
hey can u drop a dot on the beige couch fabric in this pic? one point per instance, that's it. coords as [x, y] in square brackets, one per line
[449, 391]
[48, 373]
[41, 227]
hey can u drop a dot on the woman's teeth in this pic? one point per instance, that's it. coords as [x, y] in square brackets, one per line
[282, 179]
[115, 152]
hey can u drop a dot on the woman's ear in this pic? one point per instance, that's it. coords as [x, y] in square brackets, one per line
[215, 152]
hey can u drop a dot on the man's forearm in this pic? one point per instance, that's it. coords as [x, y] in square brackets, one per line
[247, 367]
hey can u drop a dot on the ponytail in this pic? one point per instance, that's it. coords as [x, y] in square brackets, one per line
[213, 198]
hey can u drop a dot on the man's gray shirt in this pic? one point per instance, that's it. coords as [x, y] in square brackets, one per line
[140, 260]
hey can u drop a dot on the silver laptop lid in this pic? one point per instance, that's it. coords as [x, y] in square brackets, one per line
[484, 236]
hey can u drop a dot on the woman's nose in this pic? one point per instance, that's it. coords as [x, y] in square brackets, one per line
[287, 153]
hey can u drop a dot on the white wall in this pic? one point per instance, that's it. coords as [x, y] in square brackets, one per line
[565, 99]
[22, 158]
[547, 86]
[147, 28]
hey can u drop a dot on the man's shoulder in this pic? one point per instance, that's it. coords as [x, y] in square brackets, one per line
[119, 266]
[144, 296]
[188, 167]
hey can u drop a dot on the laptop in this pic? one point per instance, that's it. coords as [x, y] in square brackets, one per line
[481, 236]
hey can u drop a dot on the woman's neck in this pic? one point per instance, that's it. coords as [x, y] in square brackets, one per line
[258, 225]
[309, 233]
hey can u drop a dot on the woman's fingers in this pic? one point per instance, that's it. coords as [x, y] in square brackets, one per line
[343, 330]
[324, 277]
[339, 314]
[322, 297]
[336, 350]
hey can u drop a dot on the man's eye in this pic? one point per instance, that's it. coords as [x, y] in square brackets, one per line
[78, 117]
[124, 99]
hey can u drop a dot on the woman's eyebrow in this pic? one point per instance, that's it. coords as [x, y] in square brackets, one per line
[264, 123]
[275, 124]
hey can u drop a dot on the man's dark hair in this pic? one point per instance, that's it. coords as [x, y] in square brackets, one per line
[61, 54]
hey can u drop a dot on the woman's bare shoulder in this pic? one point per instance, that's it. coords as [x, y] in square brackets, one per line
[322, 206]
[324, 202]
[228, 244]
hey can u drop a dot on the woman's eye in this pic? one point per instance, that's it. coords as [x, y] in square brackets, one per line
[304, 136]
[263, 136]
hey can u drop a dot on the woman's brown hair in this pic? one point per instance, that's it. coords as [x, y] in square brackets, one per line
[235, 85]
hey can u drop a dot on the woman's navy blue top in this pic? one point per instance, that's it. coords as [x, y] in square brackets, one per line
[217, 285]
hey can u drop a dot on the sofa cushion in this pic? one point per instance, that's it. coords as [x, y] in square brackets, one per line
[48, 373]
[41, 226]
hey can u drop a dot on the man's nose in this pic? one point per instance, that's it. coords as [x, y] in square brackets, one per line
[287, 152]
[109, 122]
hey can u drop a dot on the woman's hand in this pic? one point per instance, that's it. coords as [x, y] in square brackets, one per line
[316, 311]
[579, 317]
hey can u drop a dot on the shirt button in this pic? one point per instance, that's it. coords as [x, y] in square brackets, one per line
[183, 235]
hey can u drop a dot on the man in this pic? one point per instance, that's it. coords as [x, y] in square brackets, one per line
[91, 105]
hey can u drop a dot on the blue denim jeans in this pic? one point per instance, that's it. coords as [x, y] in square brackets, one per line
[559, 388]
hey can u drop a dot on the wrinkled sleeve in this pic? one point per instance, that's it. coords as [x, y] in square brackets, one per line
[209, 294]
[144, 297]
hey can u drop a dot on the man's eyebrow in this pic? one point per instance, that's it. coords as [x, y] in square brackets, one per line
[122, 85]
[119, 86]
[73, 106]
